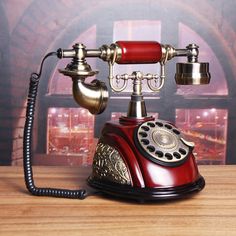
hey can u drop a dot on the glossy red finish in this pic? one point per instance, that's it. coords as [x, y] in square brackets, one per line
[139, 52]
[143, 172]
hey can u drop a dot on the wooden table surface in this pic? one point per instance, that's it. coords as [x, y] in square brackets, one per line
[211, 212]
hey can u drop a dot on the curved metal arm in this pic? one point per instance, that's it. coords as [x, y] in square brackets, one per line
[111, 78]
[161, 77]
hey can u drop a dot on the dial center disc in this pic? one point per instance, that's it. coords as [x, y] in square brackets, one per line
[164, 139]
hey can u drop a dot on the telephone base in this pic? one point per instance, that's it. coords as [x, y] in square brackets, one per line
[147, 194]
[145, 160]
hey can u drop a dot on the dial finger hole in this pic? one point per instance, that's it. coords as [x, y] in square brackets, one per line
[182, 151]
[145, 128]
[168, 156]
[145, 141]
[168, 126]
[143, 134]
[176, 131]
[151, 124]
[151, 148]
[159, 124]
[159, 153]
[176, 155]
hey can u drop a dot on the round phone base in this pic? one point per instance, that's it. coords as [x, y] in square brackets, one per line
[147, 194]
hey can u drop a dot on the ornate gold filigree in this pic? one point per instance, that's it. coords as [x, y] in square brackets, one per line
[108, 165]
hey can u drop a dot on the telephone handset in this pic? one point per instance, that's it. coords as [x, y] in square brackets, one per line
[137, 157]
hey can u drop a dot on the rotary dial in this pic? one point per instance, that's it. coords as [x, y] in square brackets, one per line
[162, 142]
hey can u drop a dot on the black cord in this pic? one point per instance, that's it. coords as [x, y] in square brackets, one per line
[27, 145]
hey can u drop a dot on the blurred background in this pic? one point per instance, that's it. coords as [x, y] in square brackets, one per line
[66, 134]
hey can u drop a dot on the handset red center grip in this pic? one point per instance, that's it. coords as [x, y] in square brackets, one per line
[139, 52]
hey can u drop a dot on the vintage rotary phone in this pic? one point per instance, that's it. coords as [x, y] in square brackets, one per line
[137, 157]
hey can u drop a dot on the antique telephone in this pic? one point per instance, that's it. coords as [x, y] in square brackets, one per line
[137, 157]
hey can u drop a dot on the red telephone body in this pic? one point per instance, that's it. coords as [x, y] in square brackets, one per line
[149, 180]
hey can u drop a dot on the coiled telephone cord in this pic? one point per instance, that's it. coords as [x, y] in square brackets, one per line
[27, 145]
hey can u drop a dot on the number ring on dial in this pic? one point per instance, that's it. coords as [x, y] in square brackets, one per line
[161, 142]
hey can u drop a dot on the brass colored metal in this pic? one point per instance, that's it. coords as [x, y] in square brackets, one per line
[191, 52]
[78, 69]
[78, 66]
[168, 52]
[111, 79]
[192, 73]
[111, 53]
[137, 107]
[108, 165]
[92, 96]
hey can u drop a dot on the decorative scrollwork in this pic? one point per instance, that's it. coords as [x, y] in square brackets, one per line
[108, 165]
[122, 80]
